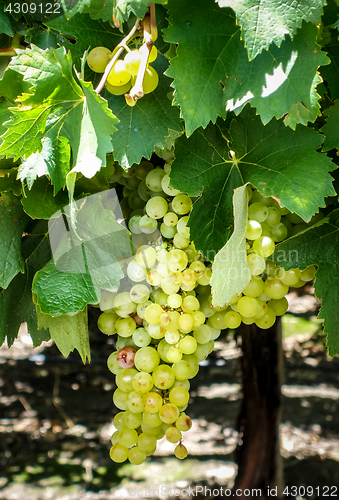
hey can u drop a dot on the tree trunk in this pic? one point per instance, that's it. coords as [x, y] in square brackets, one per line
[258, 452]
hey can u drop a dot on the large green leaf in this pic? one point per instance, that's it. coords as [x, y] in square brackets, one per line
[8, 180]
[208, 55]
[318, 246]
[5, 24]
[5, 115]
[40, 201]
[12, 222]
[230, 270]
[264, 22]
[203, 167]
[63, 293]
[291, 78]
[68, 332]
[212, 73]
[100, 9]
[276, 160]
[83, 263]
[330, 73]
[44, 38]
[123, 8]
[331, 129]
[12, 85]
[59, 108]
[145, 125]
[16, 305]
[54, 161]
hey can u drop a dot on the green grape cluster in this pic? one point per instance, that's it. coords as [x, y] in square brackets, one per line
[123, 74]
[264, 298]
[163, 314]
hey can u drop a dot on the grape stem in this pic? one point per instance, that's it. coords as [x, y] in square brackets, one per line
[115, 55]
[154, 27]
[10, 51]
[137, 91]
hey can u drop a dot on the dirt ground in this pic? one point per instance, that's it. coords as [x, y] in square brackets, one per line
[56, 421]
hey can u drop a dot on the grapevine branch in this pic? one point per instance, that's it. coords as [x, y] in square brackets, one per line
[150, 34]
[137, 90]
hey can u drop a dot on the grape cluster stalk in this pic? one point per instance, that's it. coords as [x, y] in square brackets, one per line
[132, 76]
[163, 314]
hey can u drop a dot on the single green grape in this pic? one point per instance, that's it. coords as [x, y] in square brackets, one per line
[151, 80]
[152, 402]
[275, 288]
[118, 89]
[146, 359]
[258, 212]
[187, 344]
[247, 306]
[153, 54]
[253, 230]
[183, 422]
[163, 376]
[232, 320]
[136, 456]
[118, 453]
[156, 207]
[279, 307]
[118, 74]
[173, 434]
[132, 62]
[106, 323]
[124, 379]
[179, 396]
[169, 413]
[98, 58]
[266, 321]
[142, 382]
[128, 437]
[180, 451]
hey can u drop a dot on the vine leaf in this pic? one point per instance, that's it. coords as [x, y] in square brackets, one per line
[318, 246]
[264, 22]
[283, 163]
[209, 82]
[284, 93]
[40, 201]
[8, 180]
[68, 332]
[145, 125]
[331, 128]
[330, 73]
[230, 270]
[123, 8]
[208, 53]
[16, 305]
[203, 166]
[12, 222]
[276, 160]
[84, 262]
[63, 293]
[54, 161]
[100, 9]
[5, 24]
[58, 107]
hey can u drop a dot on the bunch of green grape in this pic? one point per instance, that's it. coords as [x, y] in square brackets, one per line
[123, 74]
[264, 297]
[163, 314]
